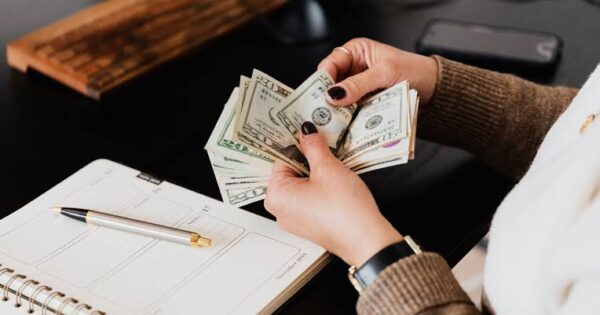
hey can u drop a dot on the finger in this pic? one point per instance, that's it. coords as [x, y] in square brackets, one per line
[329, 67]
[314, 147]
[337, 64]
[355, 87]
[284, 183]
[281, 171]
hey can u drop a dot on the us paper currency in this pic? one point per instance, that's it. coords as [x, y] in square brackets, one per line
[237, 196]
[223, 143]
[392, 153]
[307, 103]
[260, 121]
[382, 119]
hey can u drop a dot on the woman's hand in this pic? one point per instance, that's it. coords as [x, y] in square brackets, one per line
[332, 208]
[371, 66]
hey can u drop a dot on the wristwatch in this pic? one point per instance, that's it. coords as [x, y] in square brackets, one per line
[368, 272]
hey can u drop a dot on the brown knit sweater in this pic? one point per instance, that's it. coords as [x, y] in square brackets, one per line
[498, 117]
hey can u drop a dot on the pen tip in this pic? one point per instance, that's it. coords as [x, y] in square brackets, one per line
[197, 240]
[57, 209]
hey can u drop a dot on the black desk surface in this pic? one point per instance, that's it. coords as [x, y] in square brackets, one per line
[160, 123]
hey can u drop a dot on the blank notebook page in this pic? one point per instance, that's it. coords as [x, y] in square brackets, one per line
[250, 263]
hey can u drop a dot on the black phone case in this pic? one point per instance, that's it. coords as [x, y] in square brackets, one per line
[527, 67]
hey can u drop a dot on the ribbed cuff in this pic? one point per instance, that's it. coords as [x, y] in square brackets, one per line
[411, 285]
[467, 106]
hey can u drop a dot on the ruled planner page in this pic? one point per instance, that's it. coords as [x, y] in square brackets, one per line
[250, 263]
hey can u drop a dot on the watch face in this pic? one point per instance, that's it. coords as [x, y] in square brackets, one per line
[352, 277]
[413, 245]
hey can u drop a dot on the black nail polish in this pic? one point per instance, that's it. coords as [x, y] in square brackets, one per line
[308, 128]
[337, 92]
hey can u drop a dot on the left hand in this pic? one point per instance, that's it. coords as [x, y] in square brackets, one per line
[333, 207]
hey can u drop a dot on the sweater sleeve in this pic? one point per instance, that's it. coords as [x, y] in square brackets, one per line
[499, 117]
[419, 284]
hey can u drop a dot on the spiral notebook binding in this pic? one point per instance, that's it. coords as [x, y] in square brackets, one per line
[7, 286]
[33, 298]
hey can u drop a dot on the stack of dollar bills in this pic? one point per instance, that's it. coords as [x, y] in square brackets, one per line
[260, 122]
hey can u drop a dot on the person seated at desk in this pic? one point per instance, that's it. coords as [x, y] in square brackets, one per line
[544, 252]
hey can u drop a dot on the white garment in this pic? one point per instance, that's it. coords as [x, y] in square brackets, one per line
[544, 251]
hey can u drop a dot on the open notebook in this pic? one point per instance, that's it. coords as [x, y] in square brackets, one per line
[67, 267]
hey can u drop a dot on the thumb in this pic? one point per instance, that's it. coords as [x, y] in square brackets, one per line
[314, 147]
[353, 88]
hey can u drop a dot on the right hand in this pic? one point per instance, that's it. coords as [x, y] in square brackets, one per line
[333, 207]
[374, 66]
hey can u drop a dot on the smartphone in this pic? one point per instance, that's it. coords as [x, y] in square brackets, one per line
[499, 48]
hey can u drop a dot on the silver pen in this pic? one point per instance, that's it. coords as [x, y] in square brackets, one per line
[134, 226]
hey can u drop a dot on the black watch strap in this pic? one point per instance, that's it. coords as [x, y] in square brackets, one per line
[369, 271]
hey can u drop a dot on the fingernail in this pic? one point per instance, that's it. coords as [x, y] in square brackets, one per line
[337, 92]
[308, 128]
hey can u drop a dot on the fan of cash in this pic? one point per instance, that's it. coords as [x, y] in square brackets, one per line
[260, 122]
